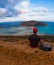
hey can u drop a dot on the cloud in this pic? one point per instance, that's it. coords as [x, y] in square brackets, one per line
[35, 13]
[3, 3]
[19, 6]
[3, 12]
[23, 7]
[13, 6]
[27, 18]
[39, 11]
[31, 14]
[42, 10]
[24, 3]
[8, 7]
[21, 10]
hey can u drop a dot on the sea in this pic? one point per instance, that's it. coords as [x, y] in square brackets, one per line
[14, 28]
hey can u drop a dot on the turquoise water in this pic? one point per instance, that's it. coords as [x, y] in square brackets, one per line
[49, 29]
[15, 29]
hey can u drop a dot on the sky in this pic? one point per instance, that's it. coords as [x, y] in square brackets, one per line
[24, 10]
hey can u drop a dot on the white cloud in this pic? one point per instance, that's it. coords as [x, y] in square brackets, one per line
[41, 11]
[29, 15]
[23, 6]
[16, 7]
[27, 18]
[41, 8]
[38, 12]
[3, 12]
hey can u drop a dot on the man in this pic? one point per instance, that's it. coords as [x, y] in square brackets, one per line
[34, 38]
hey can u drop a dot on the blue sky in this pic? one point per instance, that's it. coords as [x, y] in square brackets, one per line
[15, 10]
[44, 3]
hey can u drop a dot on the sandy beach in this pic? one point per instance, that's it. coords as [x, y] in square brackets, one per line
[15, 50]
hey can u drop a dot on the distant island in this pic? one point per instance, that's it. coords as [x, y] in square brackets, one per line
[23, 23]
[33, 23]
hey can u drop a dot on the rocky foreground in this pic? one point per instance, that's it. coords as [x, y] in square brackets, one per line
[16, 51]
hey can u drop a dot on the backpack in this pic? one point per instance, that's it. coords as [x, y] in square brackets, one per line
[45, 47]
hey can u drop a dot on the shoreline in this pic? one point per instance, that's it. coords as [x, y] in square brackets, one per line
[25, 34]
[49, 38]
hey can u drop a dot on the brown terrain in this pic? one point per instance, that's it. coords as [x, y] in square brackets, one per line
[15, 50]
